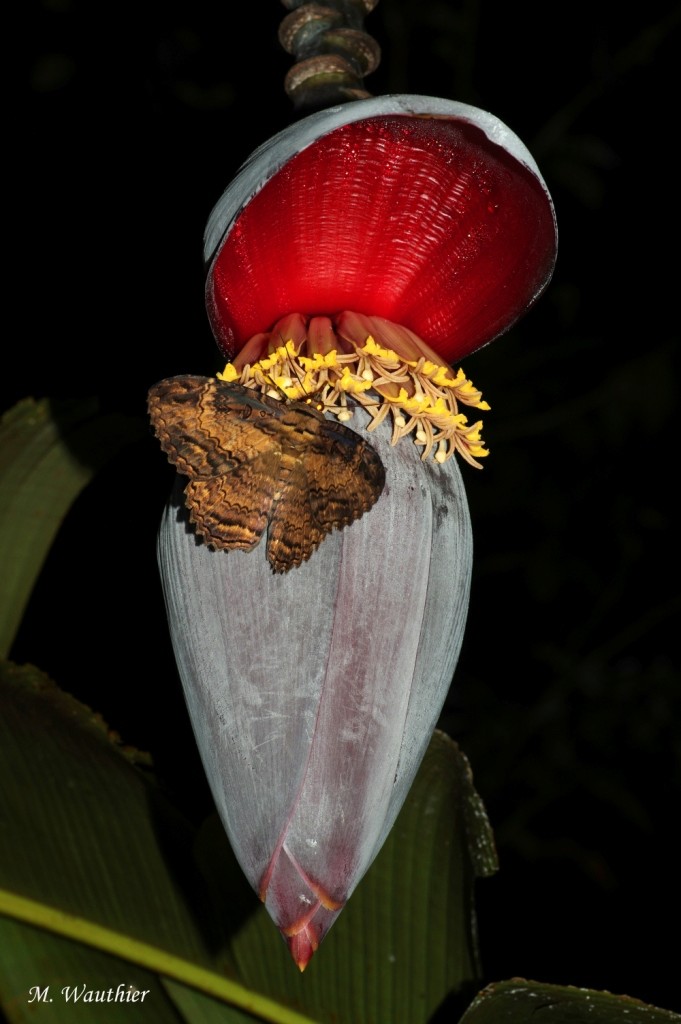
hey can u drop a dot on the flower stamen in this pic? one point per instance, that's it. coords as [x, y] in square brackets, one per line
[422, 395]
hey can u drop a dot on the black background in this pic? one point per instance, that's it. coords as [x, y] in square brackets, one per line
[132, 119]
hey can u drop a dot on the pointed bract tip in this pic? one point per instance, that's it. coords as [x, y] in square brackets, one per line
[302, 946]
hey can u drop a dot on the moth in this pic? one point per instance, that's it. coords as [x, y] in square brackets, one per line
[256, 464]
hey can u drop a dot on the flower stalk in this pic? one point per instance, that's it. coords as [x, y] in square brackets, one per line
[333, 52]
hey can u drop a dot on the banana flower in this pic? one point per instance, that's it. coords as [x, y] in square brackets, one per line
[353, 258]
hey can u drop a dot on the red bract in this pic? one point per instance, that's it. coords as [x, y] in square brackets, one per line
[429, 213]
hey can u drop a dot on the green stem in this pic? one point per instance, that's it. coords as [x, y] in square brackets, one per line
[158, 960]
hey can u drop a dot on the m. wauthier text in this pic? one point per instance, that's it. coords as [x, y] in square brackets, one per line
[82, 994]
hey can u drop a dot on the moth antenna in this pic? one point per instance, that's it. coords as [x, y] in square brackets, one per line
[277, 387]
[308, 399]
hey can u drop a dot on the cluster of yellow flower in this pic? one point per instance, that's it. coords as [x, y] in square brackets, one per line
[422, 397]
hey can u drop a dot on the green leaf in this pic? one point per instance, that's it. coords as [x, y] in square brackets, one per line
[60, 981]
[41, 974]
[48, 453]
[406, 939]
[521, 1002]
[198, 1008]
[90, 849]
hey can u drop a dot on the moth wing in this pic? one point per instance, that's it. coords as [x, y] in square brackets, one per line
[251, 460]
[294, 532]
[331, 482]
[345, 476]
[207, 427]
[232, 511]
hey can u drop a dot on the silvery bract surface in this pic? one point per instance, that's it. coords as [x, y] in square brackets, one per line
[313, 694]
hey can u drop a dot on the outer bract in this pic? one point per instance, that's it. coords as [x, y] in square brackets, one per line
[313, 695]
[427, 212]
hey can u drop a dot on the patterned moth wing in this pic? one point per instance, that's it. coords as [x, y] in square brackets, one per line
[256, 464]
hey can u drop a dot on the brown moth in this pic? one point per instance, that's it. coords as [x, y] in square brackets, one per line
[255, 463]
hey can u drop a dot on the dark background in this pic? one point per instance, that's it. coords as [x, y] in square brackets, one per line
[133, 118]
